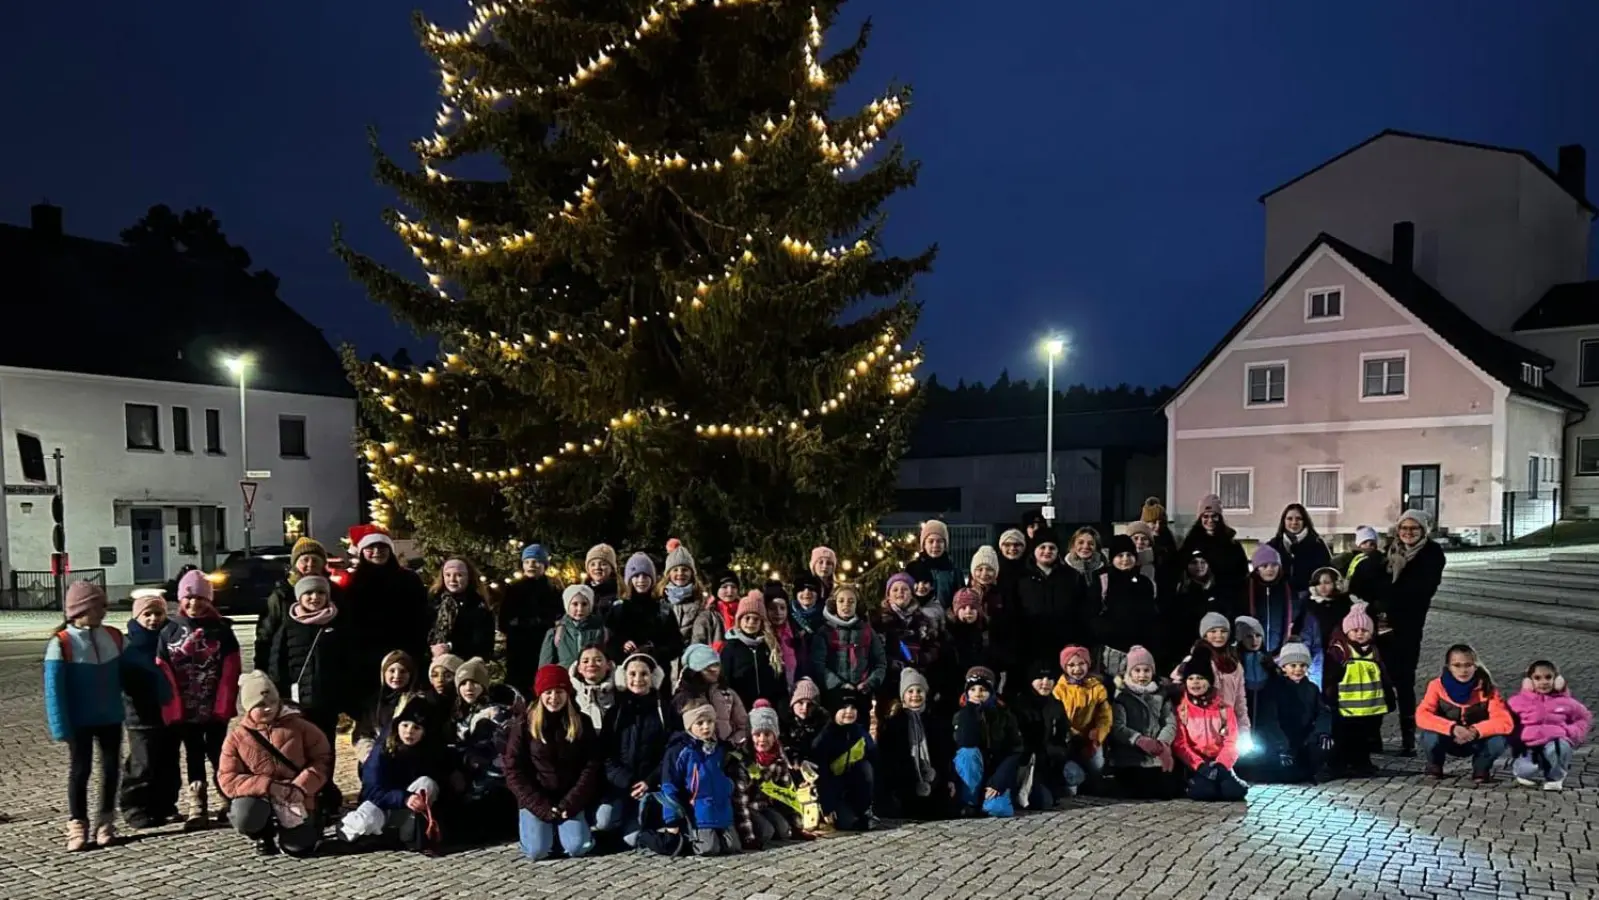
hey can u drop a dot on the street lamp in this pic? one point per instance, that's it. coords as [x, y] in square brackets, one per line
[1053, 348]
[240, 365]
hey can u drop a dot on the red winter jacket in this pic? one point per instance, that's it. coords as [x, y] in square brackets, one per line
[1207, 731]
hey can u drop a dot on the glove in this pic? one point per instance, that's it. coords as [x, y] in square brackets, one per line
[1167, 763]
[1286, 760]
[1326, 742]
[1148, 745]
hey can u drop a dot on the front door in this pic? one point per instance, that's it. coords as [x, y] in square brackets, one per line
[1419, 490]
[149, 546]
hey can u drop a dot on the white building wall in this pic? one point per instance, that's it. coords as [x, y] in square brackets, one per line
[84, 415]
[1533, 431]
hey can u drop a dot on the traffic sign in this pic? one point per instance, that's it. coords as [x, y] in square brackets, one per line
[248, 487]
[258, 474]
[1032, 498]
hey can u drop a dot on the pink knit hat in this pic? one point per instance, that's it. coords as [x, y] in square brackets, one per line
[930, 528]
[194, 584]
[753, 604]
[148, 600]
[967, 597]
[805, 689]
[1074, 651]
[1138, 656]
[83, 597]
[823, 553]
[1358, 618]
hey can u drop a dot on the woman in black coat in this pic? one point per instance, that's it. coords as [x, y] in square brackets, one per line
[386, 605]
[1048, 612]
[1212, 536]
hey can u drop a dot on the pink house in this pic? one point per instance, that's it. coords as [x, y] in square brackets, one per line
[1354, 386]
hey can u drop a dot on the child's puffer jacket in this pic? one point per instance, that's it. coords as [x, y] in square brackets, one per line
[1207, 731]
[1087, 707]
[1550, 717]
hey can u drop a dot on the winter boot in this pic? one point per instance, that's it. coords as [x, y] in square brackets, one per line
[105, 831]
[197, 819]
[77, 835]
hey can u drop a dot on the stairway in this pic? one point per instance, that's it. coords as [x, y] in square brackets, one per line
[1560, 588]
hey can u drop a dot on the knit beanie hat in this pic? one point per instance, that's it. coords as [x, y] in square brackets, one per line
[82, 597]
[1214, 620]
[697, 714]
[448, 661]
[728, 578]
[1247, 625]
[899, 578]
[536, 551]
[1073, 651]
[982, 675]
[1119, 544]
[1013, 535]
[474, 670]
[1200, 664]
[553, 678]
[679, 556]
[805, 689]
[256, 688]
[818, 553]
[966, 597]
[850, 695]
[457, 565]
[699, 657]
[930, 528]
[1293, 652]
[1045, 535]
[601, 551]
[805, 581]
[194, 584]
[1365, 533]
[639, 564]
[1153, 511]
[774, 590]
[985, 556]
[753, 604]
[574, 591]
[308, 583]
[307, 546]
[1139, 528]
[1210, 503]
[1357, 618]
[144, 600]
[1417, 516]
[1265, 555]
[1139, 656]
[414, 708]
[909, 678]
[764, 718]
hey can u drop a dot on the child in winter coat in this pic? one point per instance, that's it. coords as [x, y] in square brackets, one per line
[641, 622]
[777, 617]
[274, 765]
[720, 614]
[637, 729]
[806, 610]
[1046, 739]
[701, 683]
[397, 681]
[1463, 714]
[150, 778]
[481, 727]
[1143, 727]
[805, 722]
[462, 622]
[934, 565]
[1270, 599]
[1329, 603]
[1197, 596]
[1207, 735]
[552, 766]
[752, 659]
[846, 756]
[83, 703]
[1126, 614]
[400, 781]
[1357, 687]
[772, 780]
[593, 688]
[916, 782]
[1227, 671]
[1088, 714]
[847, 652]
[910, 633]
[988, 750]
[529, 607]
[307, 654]
[681, 592]
[1292, 723]
[599, 567]
[705, 789]
[581, 627]
[984, 584]
[824, 562]
[1551, 725]
[203, 653]
[1250, 649]
[440, 691]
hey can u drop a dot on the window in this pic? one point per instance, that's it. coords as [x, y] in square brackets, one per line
[1532, 374]
[1321, 488]
[31, 451]
[180, 430]
[186, 530]
[291, 436]
[296, 523]
[1267, 384]
[1588, 363]
[1324, 304]
[213, 431]
[144, 426]
[1384, 376]
[1235, 487]
[222, 529]
[1588, 455]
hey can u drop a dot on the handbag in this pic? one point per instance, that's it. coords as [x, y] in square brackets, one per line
[329, 800]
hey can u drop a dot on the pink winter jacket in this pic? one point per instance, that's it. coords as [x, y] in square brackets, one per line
[1546, 717]
[1230, 685]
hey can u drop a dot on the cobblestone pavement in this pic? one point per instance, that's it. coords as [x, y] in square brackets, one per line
[1392, 836]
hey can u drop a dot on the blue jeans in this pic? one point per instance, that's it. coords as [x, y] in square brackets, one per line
[1482, 751]
[619, 814]
[538, 836]
[1079, 771]
[970, 789]
[1550, 762]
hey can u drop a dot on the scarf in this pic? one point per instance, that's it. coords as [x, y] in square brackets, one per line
[917, 735]
[1085, 566]
[1149, 688]
[840, 622]
[321, 617]
[1458, 691]
[765, 758]
[1294, 537]
[807, 620]
[677, 594]
[1399, 554]
[444, 619]
[748, 640]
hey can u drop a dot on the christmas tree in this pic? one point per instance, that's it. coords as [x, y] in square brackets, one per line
[665, 310]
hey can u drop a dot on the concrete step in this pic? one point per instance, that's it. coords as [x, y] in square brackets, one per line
[1585, 568]
[1465, 586]
[1576, 556]
[1536, 577]
[1534, 613]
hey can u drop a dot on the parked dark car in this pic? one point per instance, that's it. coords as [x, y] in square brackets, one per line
[242, 582]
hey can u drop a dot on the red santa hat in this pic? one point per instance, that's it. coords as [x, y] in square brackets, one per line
[364, 536]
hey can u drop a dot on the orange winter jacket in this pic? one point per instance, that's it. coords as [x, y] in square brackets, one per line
[248, 769]
[1087, 707]
[1489, 715]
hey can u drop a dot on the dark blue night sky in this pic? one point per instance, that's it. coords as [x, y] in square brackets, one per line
[1088, 167]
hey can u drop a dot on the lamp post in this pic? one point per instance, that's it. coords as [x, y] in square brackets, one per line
[1053, 347]
[240, 365]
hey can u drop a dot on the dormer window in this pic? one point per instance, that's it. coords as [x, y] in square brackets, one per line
[1324, 304]
[1532, 374]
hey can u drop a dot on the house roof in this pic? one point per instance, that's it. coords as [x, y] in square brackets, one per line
[1499, 357]
[1528, 155]
[1563, 306]
[1127, 429]
[80, 305]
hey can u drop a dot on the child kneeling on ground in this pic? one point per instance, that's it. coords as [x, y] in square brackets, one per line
[701, 790]
[1087, 712]
[400, 782]
[552, 766]
[988, 749]
[274, 764]
[773, 780]
[847, 757]
[1142, 730]
[1293, 726]
[1207, 736]
[1552, 724]
[1463, 714]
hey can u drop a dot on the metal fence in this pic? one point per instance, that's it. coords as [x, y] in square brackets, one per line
[37, 590]
[1551, 517]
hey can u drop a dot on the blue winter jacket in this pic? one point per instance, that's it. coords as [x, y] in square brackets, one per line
[386, 776]
[695, 778]
[82, 679]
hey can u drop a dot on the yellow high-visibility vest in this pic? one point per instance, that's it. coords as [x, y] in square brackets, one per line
[1360, 691]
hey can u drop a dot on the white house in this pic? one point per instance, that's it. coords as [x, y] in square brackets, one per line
[116, 358]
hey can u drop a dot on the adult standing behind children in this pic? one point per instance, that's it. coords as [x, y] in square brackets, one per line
[387, 604]
[1218, 541]
[1401, 592]
[530, 607]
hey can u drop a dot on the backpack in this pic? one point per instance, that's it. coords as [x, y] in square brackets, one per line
[66, 642]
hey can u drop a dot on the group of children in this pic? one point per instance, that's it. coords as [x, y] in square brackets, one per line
[684, 721]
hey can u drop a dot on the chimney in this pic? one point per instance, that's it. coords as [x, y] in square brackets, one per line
[1573, 169]
[1404, 253]
[47, 219]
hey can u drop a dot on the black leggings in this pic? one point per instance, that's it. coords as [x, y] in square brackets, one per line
[202, 742]
[81, 749]
[1401, 653]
